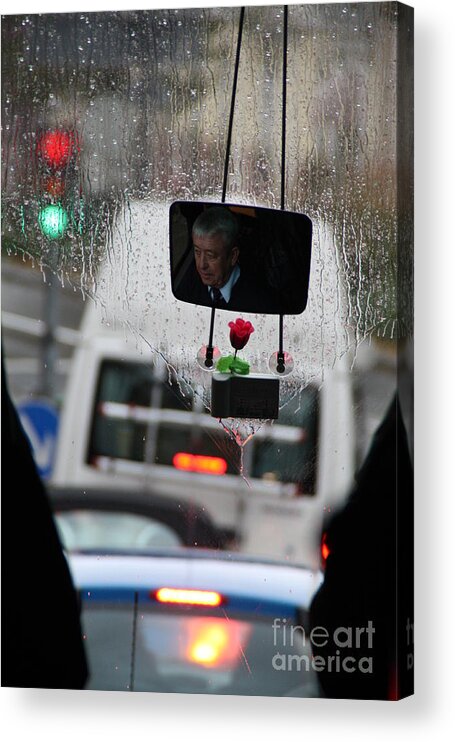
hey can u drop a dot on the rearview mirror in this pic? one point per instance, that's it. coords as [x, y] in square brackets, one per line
[240, 258]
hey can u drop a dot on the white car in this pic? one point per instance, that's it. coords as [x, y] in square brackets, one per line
[196, 621]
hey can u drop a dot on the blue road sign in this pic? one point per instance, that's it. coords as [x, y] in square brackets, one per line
[39, 418]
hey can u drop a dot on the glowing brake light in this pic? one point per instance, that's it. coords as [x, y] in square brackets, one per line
[200, 464]
[210, 645]
[188, 597]
[325, 550]
[216, 642]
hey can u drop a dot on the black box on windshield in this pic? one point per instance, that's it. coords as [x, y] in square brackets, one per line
[253, 396]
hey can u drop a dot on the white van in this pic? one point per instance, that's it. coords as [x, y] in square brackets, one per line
[139, 420]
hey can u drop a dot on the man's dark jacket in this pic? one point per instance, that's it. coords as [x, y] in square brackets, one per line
[247, 294]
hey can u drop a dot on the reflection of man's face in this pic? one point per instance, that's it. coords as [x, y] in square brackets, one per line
[214, 261]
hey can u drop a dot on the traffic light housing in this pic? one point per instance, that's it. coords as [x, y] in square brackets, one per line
[57, 152]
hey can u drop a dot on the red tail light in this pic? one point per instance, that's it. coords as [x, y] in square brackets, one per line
[325, 550]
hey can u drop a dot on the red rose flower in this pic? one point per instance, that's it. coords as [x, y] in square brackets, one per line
[240, 333]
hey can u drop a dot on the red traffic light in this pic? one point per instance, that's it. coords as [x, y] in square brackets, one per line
[56, 147]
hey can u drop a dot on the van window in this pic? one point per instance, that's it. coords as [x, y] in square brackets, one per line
[296, 460]
[141, 416]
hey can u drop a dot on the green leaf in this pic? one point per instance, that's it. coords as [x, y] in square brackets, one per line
[240, 367]
[224, 364]
[233, 365]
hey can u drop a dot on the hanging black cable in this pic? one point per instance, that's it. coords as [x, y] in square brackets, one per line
[209, 350]
[233, 96]
[280, 367]
[280, 364]
[283, 110]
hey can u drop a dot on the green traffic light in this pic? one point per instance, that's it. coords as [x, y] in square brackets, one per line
[53, 221]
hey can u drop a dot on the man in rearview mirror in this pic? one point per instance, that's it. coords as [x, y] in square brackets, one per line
[216, 254]
[217, 277]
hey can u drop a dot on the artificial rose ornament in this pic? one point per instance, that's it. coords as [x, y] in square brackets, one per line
[239, 336]
[240, 333]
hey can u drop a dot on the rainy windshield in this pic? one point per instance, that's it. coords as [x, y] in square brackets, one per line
[108, 119]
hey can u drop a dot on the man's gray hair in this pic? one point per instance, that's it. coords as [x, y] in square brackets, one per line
[217, 220]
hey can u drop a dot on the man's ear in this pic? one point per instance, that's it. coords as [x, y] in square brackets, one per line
[234, 255]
